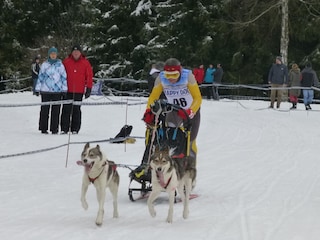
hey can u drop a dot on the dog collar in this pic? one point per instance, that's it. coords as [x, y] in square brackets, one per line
[93, 179]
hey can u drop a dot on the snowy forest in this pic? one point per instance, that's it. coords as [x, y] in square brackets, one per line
[121, 38]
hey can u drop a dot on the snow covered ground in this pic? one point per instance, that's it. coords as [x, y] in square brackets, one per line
[258, 175]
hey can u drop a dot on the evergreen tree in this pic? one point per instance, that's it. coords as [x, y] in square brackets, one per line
[122, 37]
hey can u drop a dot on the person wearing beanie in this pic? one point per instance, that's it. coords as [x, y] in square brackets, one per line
[209, 80]
[180, 88]
[52, 85]
[198, 73]
[79, 80]
[277, 78]
[35, 68]
[294, 84]
[156, 68]
[309, 79]
[218, 74]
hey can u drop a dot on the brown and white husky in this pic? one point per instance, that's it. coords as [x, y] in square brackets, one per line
[102, 173]
[169, 175]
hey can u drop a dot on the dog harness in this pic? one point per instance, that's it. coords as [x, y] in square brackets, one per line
[162, 183]
[93, 179]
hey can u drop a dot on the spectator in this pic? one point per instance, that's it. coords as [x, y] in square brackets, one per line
[79, 79]
[52, 85]
[278, 78]
[294, 83]
[199, 74]
[2, 85]
[218, 74]
[153, 74]
[35, 68]
[209, 79]
[308, 79]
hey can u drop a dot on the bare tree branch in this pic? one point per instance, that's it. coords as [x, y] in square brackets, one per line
[311, 9]
[245, 24]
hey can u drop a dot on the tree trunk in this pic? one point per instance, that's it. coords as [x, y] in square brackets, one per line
[284, 41]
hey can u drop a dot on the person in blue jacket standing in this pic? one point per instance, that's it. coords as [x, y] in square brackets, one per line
[52, 85]
[209, 79]
[309, 79]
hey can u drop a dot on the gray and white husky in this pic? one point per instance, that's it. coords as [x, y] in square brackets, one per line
[169, 175]
[102, 173]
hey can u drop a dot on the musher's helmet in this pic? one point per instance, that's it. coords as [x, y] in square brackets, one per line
[172, 68]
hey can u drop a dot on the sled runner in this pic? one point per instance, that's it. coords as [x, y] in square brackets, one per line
[159, 135]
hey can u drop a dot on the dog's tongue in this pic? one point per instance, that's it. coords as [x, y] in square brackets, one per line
[161, 179]
[80, 163]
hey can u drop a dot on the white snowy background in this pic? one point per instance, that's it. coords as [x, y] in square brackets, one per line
[258, 175]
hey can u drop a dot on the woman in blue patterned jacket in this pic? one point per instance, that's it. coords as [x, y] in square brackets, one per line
[52, 85]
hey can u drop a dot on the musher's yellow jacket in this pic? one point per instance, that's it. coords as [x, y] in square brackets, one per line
[192, 86]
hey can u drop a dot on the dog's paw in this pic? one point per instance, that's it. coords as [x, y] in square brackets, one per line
[99, 219]
[169, 220]
[115, 214]
[98, 223]
[84, 204]
[185, 214]
[152, 212]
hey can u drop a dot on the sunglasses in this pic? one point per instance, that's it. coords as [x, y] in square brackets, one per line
[172, 75]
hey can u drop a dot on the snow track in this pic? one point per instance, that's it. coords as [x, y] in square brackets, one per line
[258, 176]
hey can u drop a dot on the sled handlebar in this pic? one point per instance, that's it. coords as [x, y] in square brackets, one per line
[162, 106]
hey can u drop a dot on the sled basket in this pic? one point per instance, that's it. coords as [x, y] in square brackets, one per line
[176, 138]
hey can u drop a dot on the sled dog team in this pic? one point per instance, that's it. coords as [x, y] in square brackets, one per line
[167, 175]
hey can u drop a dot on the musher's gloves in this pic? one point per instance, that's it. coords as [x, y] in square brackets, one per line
[185, 113]
[148, 116]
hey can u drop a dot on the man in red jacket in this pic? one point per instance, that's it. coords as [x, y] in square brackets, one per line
[199, 74]
[79, 79]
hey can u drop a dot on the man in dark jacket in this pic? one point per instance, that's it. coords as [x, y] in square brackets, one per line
[79, 79]
[153, 74]
[217, 81]
[35, 68]
[278, 78]
[308, 79]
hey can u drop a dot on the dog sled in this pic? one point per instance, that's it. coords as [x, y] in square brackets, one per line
[158, 136]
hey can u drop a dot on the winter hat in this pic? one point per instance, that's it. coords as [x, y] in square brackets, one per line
[37, 57]
[76, 47]
[159, 66]
[172, 68]
[279, 58]
[295, 66]
[51, 50]
[308, 64]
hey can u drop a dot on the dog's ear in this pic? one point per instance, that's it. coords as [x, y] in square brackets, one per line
[156, 148]
[86, 146]
[98, 147]
[164, 148]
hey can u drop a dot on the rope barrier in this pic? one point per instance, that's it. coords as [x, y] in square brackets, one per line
[15, 79]
[144, 93]
[130, 80]
[65, 144]
[69, 102]
[264, 87]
